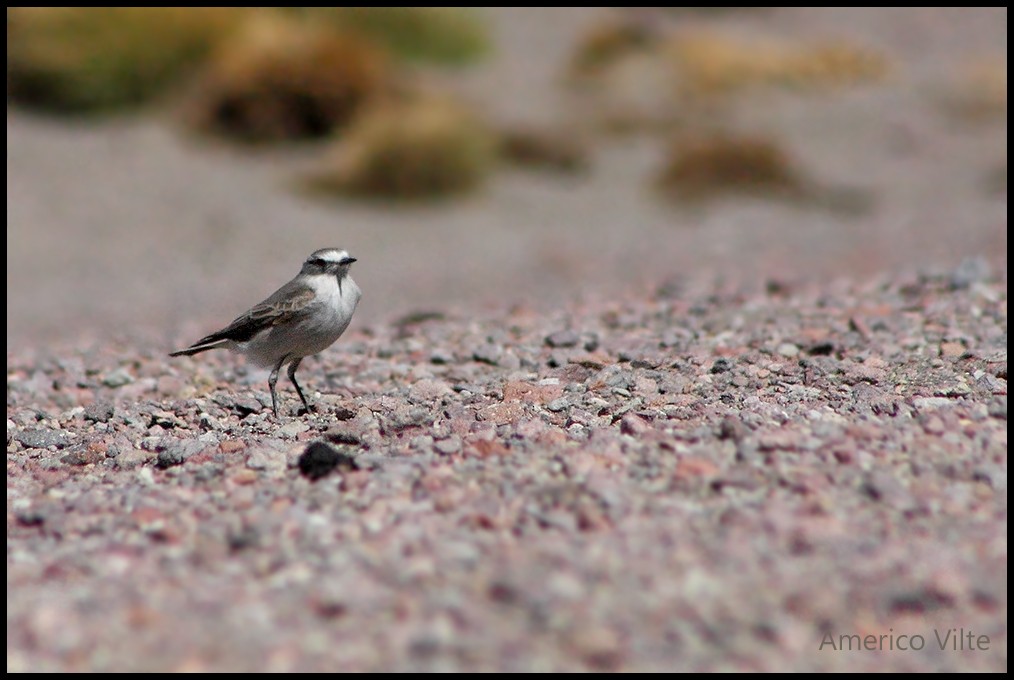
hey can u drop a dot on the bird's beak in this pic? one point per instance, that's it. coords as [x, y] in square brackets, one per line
[346, 261]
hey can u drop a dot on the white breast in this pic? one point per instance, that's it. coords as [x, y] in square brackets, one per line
[337, 302]
[340, 298]
[325, 320]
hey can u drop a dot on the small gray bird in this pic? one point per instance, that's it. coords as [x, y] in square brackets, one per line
[303, 317]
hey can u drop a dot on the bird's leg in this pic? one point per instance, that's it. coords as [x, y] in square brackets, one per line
[292, 376]
[272, 379]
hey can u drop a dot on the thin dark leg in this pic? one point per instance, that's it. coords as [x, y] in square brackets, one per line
[292, 376]
[272, 379]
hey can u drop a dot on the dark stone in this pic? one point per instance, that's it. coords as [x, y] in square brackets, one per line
[42, 439]
[248, 537]
[99, 411]
[243, 406]
[488, 354]
[320, 459]
[821, 349]
[82, 455]
[344, 414]
[920, 601]
[174, 451]
[721, 365]
[347, 438]
[971, 270]
[30, 518]
[733, 428]
[563, 339]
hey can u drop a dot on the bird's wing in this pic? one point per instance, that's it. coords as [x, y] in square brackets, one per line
[287, 303]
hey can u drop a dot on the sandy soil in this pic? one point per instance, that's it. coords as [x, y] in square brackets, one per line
[628, 437]
[129, 222]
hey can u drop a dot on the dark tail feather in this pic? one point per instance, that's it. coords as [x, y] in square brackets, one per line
[197, 349]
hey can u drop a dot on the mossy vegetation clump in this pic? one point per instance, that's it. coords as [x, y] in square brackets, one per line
[96, 59]
[282, 77]
[704, 167]
[449, 36]
[422, 147]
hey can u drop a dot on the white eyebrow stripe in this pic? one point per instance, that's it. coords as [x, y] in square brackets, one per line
[330, 255]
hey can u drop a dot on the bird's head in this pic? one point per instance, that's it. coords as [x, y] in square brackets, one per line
[333, 261]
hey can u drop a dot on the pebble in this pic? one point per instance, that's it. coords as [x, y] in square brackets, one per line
[733, 428]
[932, 403]
[209, 422]
[117, 378]
[244, 406]
[971, 270]
[448, 446]
[41, 439]
[293, 429]
[165, 419]
[721, 365]
[319, 460]
[488, 354]
[132, 458]
[634, 425]
[175, 451]
[430, 390]
[566, 338]
[441, 357]
[99, 411]
[405, 416]
[788, 350]
[956, 389]
[558, 405]
[266, 458]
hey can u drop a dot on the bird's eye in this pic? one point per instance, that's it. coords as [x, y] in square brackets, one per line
[318, 262]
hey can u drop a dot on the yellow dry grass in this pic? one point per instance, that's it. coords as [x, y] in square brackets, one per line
[977, 92]
[282, 77]
[711, 64]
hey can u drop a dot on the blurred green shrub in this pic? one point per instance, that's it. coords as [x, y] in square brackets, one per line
[443, 35]
[422, 147]
[73, 59]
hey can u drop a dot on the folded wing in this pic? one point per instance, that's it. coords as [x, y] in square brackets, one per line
[287, 303]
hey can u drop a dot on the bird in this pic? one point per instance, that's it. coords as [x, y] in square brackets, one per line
[302, 318]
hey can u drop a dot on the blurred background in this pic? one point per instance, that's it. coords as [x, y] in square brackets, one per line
[168, 167]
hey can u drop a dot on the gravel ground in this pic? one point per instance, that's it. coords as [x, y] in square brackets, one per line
[708, 479]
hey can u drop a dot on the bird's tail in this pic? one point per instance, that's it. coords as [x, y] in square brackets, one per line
[198, 348]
